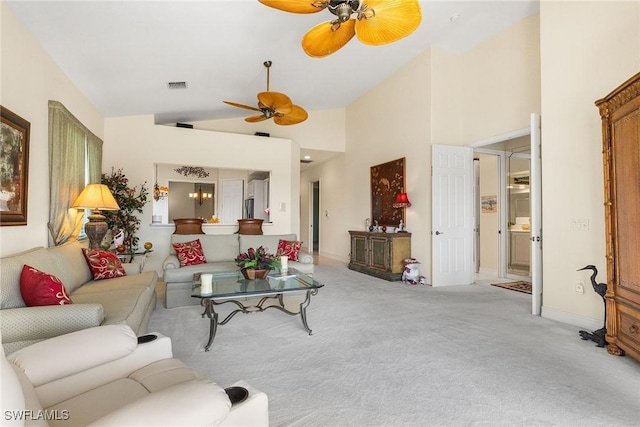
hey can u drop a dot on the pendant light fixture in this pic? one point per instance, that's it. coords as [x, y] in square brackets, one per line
[200, 196]
[159, 192]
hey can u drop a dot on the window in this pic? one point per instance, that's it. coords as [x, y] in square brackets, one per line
[75, 159]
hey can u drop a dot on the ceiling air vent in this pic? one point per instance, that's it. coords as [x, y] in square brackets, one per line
[177, 85]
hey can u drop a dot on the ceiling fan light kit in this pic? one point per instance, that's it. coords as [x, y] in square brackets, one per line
[274, 105]
[373, 22]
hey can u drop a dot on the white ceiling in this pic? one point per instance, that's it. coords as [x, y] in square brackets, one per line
[122, 54]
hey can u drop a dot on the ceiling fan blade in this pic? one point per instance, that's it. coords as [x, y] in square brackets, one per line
[248, 107]
[276, 101]
[386, 21]
[297, 6]
[297, 115]
[255, 119]
[322, 40]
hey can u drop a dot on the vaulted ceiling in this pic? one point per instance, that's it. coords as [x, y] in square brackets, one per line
[123, 54]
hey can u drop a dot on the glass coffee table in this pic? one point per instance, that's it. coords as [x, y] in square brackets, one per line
[252, 296]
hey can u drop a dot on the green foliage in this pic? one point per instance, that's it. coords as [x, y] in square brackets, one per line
[130, 200]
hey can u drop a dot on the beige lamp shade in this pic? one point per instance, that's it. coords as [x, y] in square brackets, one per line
[97, 197]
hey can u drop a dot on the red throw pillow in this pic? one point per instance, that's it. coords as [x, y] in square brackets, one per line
[103, 264]
[39, 288]
[289, 248]
[189, 253]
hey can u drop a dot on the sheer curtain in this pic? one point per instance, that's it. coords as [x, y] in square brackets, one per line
[73, 150]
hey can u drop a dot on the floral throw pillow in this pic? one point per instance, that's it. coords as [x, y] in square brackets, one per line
[103, 264]
[39, 288]
[289, 248]
[189, 253]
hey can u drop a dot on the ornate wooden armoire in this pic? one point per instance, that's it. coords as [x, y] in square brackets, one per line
[620, 113]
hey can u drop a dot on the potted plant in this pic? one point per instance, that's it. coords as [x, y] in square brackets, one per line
[130, 200]
[256, 263]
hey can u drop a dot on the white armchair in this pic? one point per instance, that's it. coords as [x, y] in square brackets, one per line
[102, 376]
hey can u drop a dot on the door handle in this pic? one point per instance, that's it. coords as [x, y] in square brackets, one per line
[438, 233]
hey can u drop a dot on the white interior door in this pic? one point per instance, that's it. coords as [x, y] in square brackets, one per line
[232, 200]
[535, 189]
[452, 215]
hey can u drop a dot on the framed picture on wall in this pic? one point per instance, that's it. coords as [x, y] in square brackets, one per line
[387, 180]
[489, 204]
[14, 168]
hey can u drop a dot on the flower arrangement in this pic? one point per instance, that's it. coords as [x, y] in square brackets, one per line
[257, 259]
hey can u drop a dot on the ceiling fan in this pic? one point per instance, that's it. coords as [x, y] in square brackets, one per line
[274, 105]
[375, 22]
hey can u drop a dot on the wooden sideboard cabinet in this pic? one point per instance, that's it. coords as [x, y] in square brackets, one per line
[379, 254]
[620, 113]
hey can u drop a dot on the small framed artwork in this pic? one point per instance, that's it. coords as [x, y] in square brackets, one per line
[387, 180]
[489, 204]
[14, 168]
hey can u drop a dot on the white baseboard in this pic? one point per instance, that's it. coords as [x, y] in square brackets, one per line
[572, 319]
[488, 271]
[334, 257]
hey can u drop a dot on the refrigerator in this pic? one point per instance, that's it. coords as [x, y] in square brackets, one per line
[256, 204]
[249, 208]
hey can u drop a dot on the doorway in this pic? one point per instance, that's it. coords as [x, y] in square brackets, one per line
[314, 236]
[518, 208]
[503, 214]
[523, 144]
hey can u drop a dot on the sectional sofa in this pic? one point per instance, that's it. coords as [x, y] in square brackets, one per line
[123, 300]
[106, 376]
[220, 252]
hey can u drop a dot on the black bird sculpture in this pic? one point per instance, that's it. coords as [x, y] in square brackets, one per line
[601, 289]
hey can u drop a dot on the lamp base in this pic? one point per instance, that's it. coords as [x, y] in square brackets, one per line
[95, 229]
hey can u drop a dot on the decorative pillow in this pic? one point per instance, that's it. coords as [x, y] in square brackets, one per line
[103, 264]
[289, 248]
[189, 253]
[39, 288]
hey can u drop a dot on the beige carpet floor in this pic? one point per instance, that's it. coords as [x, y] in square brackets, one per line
[389, 354]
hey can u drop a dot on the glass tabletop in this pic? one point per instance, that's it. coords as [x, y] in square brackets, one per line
[231, 284]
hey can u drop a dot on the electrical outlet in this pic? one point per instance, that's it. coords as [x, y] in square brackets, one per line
[580, 288]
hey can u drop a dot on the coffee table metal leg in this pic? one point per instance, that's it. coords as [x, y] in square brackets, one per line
[213, 322]
[303, 310]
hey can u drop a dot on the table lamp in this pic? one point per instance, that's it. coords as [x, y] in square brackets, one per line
[402, 201]
[96, 197]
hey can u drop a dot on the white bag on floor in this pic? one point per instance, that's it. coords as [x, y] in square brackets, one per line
[411, 273]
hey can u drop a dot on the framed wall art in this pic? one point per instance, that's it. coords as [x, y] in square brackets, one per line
[14, 168]
[489, 204]
[387, 180]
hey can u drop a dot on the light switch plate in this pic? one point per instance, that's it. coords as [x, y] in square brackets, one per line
[580, 224]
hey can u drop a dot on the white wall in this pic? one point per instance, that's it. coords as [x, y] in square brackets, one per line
[587, 50]
[489, 222]
[501, 82]
[135, 144]
[333, 208]
[28, 80]
[450, 99]
[323, 130]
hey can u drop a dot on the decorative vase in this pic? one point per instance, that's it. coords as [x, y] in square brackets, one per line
[250, 226]
[252, 274]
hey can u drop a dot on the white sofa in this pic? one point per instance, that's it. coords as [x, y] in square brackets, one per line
[220, 252]
[104, 377]
[123, 300]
